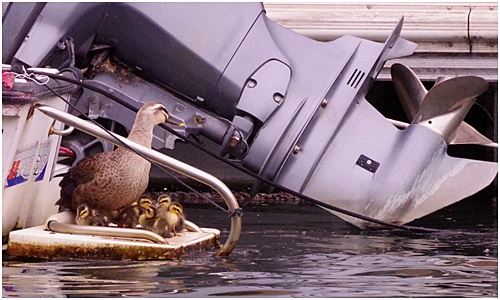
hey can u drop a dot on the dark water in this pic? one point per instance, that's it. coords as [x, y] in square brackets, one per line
[293, 251]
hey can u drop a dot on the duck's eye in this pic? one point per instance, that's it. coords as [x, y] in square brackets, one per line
[176, 209]
[145, 202]
[157, 106]
[84, 213]
[164, 200]
[164, 110]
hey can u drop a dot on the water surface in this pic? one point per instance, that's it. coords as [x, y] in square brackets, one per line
[293, 251]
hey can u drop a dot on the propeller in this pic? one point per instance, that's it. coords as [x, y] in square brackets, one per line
[444, 106]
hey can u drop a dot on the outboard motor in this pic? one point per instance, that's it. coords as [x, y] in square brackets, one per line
[291, 109]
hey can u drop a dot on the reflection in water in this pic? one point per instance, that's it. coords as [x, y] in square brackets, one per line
[289, 251]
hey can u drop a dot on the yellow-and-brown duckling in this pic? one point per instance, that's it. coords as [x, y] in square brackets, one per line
[164, 200]
[113, 180]
[150, 221]
[172, 211]
[174, 214]
[129, 216]
[85, 215]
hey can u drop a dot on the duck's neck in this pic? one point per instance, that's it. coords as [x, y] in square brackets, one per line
[142, 131]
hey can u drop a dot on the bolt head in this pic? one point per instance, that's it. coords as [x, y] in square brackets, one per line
[296, 149]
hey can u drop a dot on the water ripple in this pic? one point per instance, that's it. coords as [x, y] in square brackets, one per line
[303, 253]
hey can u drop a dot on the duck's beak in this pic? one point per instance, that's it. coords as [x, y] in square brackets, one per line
[169, 117]
[175, 121]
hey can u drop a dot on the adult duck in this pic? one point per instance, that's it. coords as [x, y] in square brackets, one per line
[115, 179]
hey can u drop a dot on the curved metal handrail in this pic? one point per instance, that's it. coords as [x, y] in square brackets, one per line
[163, 160]
[61, 132]
[62, 222]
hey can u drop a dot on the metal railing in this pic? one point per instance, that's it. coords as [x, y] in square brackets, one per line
[166, 161]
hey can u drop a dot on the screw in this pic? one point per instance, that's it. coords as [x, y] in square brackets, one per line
[252, 83]
[93, 99]
[324, 103]
[235, 139]
[296, 149]
[278, 97]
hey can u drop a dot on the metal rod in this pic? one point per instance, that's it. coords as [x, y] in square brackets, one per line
[61, 132]
[56, 226]
[190, 226]
[163, 160]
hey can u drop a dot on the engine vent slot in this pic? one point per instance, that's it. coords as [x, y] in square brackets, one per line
[356, 78]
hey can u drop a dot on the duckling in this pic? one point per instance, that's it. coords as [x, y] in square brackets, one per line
[164, 201]
[145, 202]
[91, 216]
[129, 216]
[175, 217]
[113, 180]
[150, 221]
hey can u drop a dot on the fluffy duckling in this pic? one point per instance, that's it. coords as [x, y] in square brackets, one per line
[113, 180]
[164, 201]
[91, 216]
[145, 202]
[129, 216]
[150, 221]
[174, 216]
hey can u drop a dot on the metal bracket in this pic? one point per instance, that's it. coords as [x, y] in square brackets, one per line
[94, 105]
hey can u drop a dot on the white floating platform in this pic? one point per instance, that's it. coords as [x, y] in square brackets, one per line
[37, 242]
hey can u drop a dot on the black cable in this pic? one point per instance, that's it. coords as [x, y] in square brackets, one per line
[265, 180]
[486, 112]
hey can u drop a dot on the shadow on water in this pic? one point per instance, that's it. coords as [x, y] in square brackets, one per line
[294, 251]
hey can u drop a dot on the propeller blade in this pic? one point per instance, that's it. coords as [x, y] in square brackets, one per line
[467, 134]
[409, 88]
[451, 94]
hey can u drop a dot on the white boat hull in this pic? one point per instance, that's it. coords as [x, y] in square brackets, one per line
[29, 156]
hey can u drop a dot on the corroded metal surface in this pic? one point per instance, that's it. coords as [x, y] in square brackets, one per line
[66, 246]
[103, 253]
[82, 252]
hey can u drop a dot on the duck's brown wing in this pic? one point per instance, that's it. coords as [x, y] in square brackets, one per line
[84, 172]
